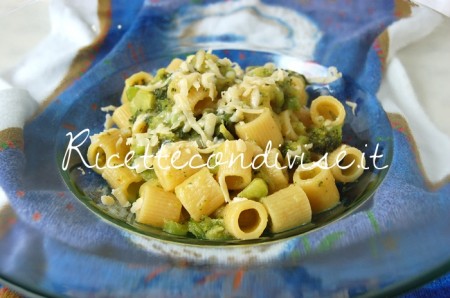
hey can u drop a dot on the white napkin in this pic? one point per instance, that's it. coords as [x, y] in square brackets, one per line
[416, 86]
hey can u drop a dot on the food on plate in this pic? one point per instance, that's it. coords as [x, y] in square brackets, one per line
[206, 148]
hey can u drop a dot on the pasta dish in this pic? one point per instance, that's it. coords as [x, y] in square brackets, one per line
[206, 148]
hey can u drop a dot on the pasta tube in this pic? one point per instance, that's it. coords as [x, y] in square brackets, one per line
[199, 100]
[139, 78]
[174, 65]
[157, 206]
[327, 110]
[172, 171]
[122, 115]
[125, 183]
[287, 208]
[273, 171]
[319, 185]
[286, 121]
[200, 194]
[107, 149]
[349, 163]
[245, 219]
[235, 168]
[262, 129]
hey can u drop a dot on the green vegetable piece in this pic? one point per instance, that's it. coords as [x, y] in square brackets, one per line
[175, 228]
[260, 71]
[256, 190]
[325, 139]
[143, 101]
[292, 103]
[131, 92]
[217, 232]
[160, 93]
[273, 95]
[195, 228]
[278, 100]
[149, 175]
[303, 140]
[212, 166]
[224, 131]
[209, 228]
[138, 150]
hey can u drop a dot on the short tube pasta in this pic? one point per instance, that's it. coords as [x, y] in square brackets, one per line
[199, 100]
[140, 78]
[107, 149]
[158, 206]
[174, 65]
[349, 163]
[273, 172]
[287, 208]
[245, 219]
[171, 174]
[125, 182]
[327, 110]
[262, 129]
[298, 86]
[286, 125]
[200, 194]
[122, 115]
[235, 169]
[319, 185]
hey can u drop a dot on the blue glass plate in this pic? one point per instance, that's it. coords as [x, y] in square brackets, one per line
[366, 127]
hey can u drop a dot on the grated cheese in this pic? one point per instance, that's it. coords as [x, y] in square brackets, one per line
[352, 105]
[107, 200]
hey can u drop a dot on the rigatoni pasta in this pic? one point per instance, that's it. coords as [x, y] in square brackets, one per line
[327, 110]
[319, 185]
[349, 163]
[262, 129]
[107, 149]
[273, 172]
[200, 194]
[245, 219]
[125, 183]
[172, 171]
[235, 171]
[207, 148]
[287, 208]
[157, 206]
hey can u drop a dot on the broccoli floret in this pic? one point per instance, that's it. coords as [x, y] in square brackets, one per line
[161, 93]
[259, 71]
[298, 154]
[325, 139]
[175, 228]
[209, 228]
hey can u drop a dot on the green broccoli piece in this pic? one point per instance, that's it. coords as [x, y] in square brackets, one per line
[161, 93]
[131, 92]
[209, 228]
[175, 228]
[295, 160]
[149, 175]
[259, 71]
[256, 190]
[325, 139]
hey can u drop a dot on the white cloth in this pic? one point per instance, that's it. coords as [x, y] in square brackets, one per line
[416, 85]
[74, 25]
